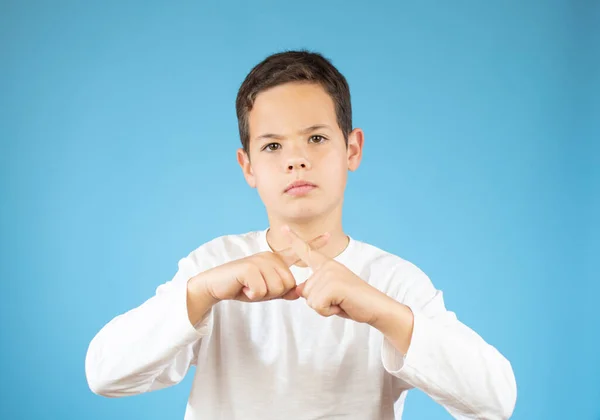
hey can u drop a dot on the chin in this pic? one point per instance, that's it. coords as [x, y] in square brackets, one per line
[301, 214]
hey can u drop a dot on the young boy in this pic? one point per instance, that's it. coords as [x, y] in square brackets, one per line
[299, 320]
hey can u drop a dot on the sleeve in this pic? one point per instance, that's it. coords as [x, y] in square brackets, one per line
[448, 361]
[150, 347]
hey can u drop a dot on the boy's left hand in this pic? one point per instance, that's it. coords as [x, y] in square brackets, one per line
[335, 290]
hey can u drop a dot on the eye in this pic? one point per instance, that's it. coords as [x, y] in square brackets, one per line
[271, 147]
[317, 139]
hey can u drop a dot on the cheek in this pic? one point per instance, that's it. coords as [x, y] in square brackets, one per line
[266, 177]
[335, 166]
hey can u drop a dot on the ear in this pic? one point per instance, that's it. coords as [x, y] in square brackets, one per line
[356, 139]
[244, 162]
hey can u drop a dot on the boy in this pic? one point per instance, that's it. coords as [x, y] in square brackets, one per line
[299, 320]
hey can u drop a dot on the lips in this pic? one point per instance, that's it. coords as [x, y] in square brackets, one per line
[299, 187]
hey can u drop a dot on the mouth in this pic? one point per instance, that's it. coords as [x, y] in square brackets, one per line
[297, 188]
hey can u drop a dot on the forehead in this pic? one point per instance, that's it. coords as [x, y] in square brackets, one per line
[284, 109]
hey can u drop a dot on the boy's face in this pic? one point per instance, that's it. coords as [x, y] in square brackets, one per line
[282, 150]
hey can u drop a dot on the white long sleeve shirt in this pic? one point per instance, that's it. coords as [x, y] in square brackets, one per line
[281, 360]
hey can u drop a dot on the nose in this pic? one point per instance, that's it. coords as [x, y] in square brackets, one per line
[297, 161]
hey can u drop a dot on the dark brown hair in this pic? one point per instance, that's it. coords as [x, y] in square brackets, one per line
[294, 66]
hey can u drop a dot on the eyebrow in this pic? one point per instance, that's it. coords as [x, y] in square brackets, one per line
[303, 131]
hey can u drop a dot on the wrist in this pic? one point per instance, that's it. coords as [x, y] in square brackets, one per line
[392, 316]
[198, 290]
[199, 300]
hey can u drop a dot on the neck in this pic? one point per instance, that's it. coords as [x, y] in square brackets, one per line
[308, 230]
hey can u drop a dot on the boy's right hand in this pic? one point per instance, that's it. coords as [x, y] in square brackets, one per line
[259, 277]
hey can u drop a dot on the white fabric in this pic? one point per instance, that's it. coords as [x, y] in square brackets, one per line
[281, 360]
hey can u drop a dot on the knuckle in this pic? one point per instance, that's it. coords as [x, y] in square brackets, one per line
[289, 279]
[318, 304]
[261, 256]
[329, 265]
[324, 312]
[251, 267]
[277, 289]
[253, 271]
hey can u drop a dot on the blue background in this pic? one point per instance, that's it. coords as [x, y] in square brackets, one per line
[118, 138]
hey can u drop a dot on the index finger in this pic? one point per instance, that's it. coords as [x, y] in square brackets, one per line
[313, 258]
[288, 255]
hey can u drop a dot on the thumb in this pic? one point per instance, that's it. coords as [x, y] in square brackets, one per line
[291, 295]
[300, 289]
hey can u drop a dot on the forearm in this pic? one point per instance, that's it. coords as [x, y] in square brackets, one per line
[199, 301]
[448, 361]
[134, 348]
[395, 321]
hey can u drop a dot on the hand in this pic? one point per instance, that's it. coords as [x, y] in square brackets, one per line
[259, 277]
[333, 289]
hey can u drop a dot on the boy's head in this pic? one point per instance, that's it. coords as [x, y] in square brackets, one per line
[295, 123]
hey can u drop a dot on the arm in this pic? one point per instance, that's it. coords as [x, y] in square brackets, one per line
[424, 345]
[152, 346]
[427, 347]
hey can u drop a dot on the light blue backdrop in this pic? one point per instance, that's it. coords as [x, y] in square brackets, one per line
[118, 133]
